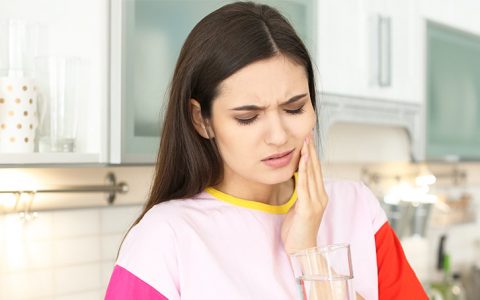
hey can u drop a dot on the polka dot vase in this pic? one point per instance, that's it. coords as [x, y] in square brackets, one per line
[18, 115]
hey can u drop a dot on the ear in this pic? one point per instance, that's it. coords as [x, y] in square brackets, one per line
[197, 119]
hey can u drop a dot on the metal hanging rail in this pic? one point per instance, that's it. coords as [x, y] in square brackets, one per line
[112, 188]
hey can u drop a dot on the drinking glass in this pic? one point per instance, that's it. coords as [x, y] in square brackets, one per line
[324, 273]
[58, 83]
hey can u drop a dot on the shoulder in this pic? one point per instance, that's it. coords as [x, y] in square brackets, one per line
[163, 220]
[149, 251]
[346, 195]
[351, 189]
[177, 211]
[152, 234]
[356, 198]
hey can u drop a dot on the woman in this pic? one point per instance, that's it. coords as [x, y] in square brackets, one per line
[223, 213]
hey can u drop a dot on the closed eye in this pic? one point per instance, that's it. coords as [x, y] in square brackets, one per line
[296, 111]
[246, 121]
[252, 119]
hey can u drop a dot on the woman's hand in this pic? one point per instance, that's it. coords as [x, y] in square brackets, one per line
[300, 227]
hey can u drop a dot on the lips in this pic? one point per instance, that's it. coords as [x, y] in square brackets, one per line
[278, 155]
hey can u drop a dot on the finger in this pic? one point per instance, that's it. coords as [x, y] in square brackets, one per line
[310, 175]
[302, 190]
[311, 180]
[315, 162]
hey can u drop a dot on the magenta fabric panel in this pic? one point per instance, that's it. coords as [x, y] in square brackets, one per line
[126, 286]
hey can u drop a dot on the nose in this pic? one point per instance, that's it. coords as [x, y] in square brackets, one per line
[276, 133]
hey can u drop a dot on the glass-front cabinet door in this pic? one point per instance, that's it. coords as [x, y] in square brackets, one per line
[453, 94]
[146, 37]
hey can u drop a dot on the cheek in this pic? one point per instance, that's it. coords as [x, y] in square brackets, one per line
[313, 120]
[234, 141]
[305, 125]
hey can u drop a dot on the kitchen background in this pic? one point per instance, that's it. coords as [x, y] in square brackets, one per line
[399, 104]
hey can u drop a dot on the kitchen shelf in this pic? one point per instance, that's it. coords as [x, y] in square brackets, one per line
[11, 159]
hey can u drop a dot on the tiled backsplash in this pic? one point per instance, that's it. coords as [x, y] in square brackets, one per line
[60, 255]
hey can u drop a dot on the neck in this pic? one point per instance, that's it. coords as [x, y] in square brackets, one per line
[240, 187]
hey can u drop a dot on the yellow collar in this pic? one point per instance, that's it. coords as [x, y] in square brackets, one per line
[273, 209]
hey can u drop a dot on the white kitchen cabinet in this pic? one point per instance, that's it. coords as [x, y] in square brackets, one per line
[356, 59]
[129, 49]
[80, 29]
[146, 39]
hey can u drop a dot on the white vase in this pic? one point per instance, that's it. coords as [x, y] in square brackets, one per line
[18, 115]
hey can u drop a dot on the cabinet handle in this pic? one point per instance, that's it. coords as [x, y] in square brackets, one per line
[384, 52]
[380, 53]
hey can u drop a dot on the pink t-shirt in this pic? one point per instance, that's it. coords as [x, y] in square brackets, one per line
[215, 246]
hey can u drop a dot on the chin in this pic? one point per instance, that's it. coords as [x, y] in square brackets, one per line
[279, 175]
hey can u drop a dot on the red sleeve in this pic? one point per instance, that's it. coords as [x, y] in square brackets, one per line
[396, 279]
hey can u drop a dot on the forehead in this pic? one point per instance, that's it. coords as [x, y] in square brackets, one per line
[264, 81]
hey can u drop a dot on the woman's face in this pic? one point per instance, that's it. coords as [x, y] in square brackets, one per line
[263, 110]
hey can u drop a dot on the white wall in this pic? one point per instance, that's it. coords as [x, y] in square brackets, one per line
[347, 142]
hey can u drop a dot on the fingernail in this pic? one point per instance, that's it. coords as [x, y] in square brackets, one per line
[306, 140]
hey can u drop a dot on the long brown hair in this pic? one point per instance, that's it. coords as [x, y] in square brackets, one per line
[222, 43]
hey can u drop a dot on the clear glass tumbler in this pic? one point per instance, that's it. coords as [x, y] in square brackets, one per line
[324, 273]
[58, 84]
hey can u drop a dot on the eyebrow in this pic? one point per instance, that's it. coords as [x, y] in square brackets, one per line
[255, 107]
